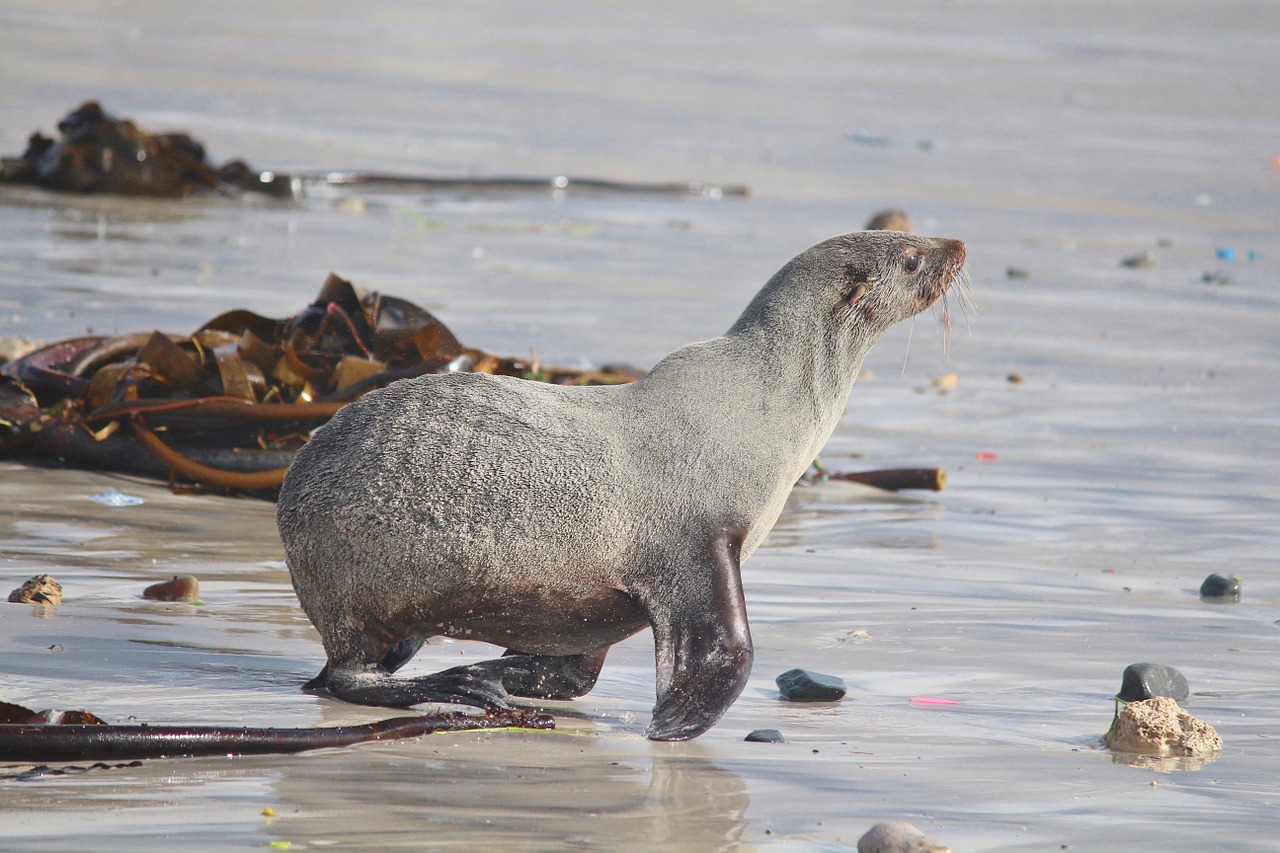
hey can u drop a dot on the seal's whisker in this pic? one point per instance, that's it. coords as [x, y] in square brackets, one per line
[944, 323]
[965, 293]
[911, 329]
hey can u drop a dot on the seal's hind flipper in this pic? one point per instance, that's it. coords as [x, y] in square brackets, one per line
[553, 676]
[477, 684]
[703, 642]
[402, 652]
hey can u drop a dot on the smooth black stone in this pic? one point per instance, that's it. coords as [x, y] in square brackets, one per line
[765, 736]
[800, 685]
[1148, 680]
[1217, 586]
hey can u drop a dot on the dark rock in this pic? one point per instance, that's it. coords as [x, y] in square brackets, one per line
[1143, 681]
[1218, 586]
[765, 736]
[800, 685]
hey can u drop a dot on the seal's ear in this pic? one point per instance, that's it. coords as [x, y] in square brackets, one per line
[857, 281]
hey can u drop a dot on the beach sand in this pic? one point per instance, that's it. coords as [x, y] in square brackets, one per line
[1085, 505]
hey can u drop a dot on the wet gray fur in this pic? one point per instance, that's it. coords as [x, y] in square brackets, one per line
[556, 521]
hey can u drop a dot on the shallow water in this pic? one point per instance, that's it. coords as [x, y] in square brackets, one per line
[1138, 456]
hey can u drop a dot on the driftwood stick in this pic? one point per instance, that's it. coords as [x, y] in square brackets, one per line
[890, 479]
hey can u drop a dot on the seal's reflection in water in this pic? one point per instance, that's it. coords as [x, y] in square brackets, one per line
[522, 791]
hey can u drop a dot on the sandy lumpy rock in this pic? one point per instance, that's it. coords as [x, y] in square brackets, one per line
[898, 836]
[1159, 726]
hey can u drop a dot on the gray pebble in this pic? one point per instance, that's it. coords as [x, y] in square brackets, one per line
[1219, 586]
[800, 685]
[1147, 680]
[765, 736]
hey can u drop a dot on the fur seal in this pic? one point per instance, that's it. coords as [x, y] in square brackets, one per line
[556, 521]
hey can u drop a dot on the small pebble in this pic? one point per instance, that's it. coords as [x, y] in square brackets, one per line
[1016, 272]
[889, 220]
[765, 736]
[1217, 586]
[1015, 379]
[898, 836]
[1146, 260]
[1217, 277]
[800, 685]
[1142, 681]
[946, 381]
[181, 588]
[41, 589]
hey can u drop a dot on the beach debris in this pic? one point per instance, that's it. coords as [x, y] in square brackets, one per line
[1141, 681]
[1015, 379]
[1142, 260]
[1017, 272]
[11, 714]
[932, 701]
[1215, 277]
[946, 382]
[1225, 253]
[225, 407]
[875, 140]
[802, 685]
[32, 742]
[1220, 587]
[181, 588]
[898, 836]
[41, 589]
[115, 497]
[765, 736]
[986, 456]
[16, 347]
[98, 153]
[1160, 727]
[889, 479]
[889, 219]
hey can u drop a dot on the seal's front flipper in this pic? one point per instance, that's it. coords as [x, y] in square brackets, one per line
[477, 684]
[553, 676]
[702, 640]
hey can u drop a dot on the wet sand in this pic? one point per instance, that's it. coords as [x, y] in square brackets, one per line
[1139, 454]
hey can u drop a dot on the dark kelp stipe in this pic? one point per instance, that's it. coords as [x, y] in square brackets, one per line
[226, 406]
[81, 736]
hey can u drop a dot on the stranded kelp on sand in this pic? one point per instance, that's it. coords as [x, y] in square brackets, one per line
[98, 153]
[227, 405]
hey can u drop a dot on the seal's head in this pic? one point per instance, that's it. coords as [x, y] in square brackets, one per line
[891, 275]
[852, 288]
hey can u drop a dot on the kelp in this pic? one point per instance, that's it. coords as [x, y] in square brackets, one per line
[226, 406]
[98, 153]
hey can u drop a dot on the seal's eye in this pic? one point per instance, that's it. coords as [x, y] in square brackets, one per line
[912, 263]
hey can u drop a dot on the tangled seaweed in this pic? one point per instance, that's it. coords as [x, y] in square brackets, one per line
[227, 406]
